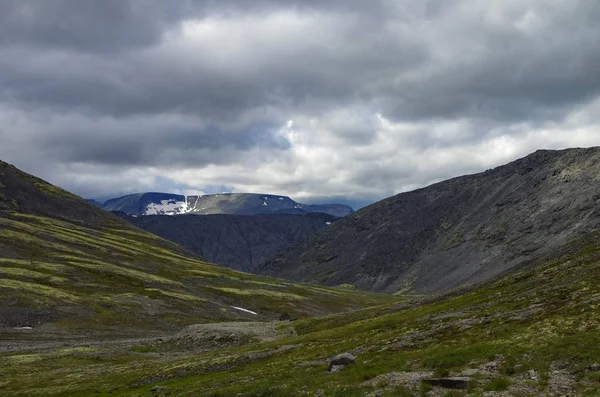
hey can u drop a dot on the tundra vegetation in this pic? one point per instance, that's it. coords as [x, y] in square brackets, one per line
[93, 306]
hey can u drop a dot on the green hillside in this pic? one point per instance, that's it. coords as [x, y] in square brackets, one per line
[531, 333]
[69, 267]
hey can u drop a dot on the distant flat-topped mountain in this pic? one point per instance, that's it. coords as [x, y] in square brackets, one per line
[225, 203]
[457, 232]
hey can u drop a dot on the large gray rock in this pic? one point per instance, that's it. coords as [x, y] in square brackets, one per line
[343, 359]
[457, 232]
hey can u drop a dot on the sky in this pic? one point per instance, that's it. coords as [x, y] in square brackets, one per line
[332, 100]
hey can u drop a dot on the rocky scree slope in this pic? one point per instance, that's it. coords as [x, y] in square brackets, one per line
[224, 203]
[457, 232]
[239, 242]
[70, 267]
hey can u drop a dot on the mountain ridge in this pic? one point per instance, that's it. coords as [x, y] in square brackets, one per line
[156, 203]
[456, 232]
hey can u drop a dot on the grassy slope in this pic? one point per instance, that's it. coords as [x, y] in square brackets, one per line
[540, 318]
[66, 266]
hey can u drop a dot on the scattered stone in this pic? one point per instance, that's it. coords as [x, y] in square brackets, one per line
[562, 382]
[533, 375]
[311, 363]
[320, 393]
[490, 368]
[595, 367]
[393, 379]
[335, 368]
[159, 389]
[470, 372]
[449, 383]
[284, 317]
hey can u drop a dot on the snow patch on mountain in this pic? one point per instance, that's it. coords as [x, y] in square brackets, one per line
[167, 207]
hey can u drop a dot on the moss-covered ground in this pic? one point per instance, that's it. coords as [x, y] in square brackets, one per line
[541, 320]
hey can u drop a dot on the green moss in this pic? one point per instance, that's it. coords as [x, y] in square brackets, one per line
[177, 295]
[498, 384]
[144, 349]
[14, 272]
[262, 292]
[28, 290]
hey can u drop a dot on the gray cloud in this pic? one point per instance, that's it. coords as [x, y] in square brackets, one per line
[383, 95]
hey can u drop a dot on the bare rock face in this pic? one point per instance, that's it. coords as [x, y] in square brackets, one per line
[457, 232]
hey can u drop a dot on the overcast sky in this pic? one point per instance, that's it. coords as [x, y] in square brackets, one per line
[349, 100]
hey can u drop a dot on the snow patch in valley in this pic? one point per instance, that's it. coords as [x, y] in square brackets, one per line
[245, 310]
[328, 223]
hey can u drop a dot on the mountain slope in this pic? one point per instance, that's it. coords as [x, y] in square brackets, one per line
[68, 265]
[238, 242]
[225, 203]
[464, 230]
[533, 332]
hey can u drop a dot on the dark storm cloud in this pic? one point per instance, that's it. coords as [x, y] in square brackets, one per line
[151, 87]
[83, 25]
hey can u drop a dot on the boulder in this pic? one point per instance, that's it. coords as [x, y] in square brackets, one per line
[449, 383]
[470, 372]
[340, 361]
[343, 359]
[284, 317]
[335, 368]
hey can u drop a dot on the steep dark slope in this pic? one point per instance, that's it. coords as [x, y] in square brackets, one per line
[68, 266]
[240, 242]
[460, 231]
